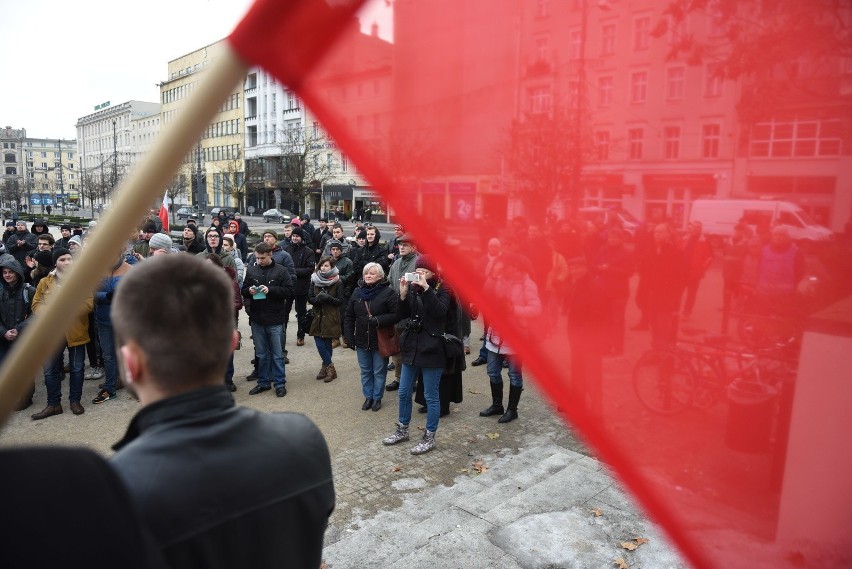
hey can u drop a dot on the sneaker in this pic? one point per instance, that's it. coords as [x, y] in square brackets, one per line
[103, 397]
[90, 374]
[399, 436]
[97, 373]
[426, 444]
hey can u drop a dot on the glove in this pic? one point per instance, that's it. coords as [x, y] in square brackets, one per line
[374, 321]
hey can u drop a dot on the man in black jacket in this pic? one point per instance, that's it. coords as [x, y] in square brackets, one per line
[269, 290]
[217, 485]
[304, 261]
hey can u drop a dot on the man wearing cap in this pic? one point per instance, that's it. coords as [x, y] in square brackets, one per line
[393, 243]
[405, 263]
[142, 248]
[65, 231]
[190, 436]
[160, 243]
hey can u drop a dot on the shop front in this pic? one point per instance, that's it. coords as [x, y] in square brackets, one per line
[669, 196]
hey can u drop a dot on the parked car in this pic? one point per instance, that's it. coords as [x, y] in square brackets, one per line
[215, 212]
[279, 215]
[720, 216]
[607, 215]
[187, 212]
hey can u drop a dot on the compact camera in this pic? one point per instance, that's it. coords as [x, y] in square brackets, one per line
[412, 277]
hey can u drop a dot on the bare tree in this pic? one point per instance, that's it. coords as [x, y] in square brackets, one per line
[545, 156]
[308, 159]
[234, 180]
[177, 187]
[14, 193]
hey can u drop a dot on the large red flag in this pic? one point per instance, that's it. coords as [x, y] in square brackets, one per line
[492, 126]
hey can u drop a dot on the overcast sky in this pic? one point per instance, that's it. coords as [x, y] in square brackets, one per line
[63, 57]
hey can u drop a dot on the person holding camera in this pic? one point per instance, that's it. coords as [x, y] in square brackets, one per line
[425, 302]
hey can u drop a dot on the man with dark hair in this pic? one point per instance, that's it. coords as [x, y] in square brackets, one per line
[65, 231]
[189, 436]
[304, 261]
[269, 290]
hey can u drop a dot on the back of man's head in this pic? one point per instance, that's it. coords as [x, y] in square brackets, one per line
[174, 307]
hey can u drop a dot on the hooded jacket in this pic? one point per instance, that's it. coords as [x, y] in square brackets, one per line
[15, 300]
[227, 258]
[39, 227]
[375, 253]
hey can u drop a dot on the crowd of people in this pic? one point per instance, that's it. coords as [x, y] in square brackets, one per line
[351, 291]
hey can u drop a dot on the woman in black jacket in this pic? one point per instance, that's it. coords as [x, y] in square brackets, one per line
[425, 303]
[373, 305]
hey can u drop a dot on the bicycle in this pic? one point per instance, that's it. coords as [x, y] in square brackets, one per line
[696, 374]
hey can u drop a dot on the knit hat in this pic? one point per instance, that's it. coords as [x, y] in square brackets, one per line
[335, 243]
[44, 258]
[424, 262]
[149, 227]
[298, 231]
[76, 239]
[271, 232]
[58, 252]
[296, 221]
[160, 241]
[9, 222]
[361, 234]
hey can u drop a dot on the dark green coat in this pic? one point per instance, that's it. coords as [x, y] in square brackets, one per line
[326, 322]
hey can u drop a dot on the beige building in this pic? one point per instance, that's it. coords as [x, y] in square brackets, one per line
[38, 172]
[218, 160]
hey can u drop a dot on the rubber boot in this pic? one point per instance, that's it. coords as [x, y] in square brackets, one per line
[323, 372]
[496, 401]
[332, 374]
[512, 408]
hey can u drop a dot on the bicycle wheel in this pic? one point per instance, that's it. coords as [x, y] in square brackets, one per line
[709, 382]
[664, 381]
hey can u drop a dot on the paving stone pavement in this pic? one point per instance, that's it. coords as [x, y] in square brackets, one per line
[529, 507]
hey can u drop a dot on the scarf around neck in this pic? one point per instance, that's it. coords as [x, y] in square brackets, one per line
[325, 279]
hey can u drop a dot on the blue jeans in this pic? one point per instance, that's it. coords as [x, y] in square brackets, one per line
[229, 373]
[374, 371]
[494, 369]
[431, 381]
[270, 354]
[107, 340]
[483, 351]
[324, 349]
[53, 375]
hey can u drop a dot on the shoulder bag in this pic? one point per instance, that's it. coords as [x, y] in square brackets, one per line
[387, 336]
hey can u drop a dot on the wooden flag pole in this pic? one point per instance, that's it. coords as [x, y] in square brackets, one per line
[46, 333]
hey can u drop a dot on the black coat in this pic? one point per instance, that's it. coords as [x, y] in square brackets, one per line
[177, 452]
[421, 342]
[357, 328]
[304, 260]
[271, 310]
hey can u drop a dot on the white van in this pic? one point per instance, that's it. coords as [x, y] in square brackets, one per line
[606, 215]
[720, 216]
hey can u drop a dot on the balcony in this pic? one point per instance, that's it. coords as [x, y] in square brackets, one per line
[251, 121]
[293, 111]
[251, 91]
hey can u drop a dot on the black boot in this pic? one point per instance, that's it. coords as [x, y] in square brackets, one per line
[512, 408]
[496, 401]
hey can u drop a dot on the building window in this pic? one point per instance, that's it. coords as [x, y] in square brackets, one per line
[605, 91]
[713, 81]
[634, 143]
[642, 33]
[542, 48]
[574, 39]
[607, 39]
[801, 138]
[638, 87]
[344, 163]
[710, 136]
[671, 142]
[11, 171]
[602, 145]
[539, 100]
[9, 158]
[674, 83]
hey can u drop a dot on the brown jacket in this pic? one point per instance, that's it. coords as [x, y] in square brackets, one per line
[78, 333]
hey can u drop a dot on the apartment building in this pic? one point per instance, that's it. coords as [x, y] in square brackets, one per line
[213, 174]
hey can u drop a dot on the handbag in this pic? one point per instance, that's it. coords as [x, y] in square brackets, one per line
[387, 337]
[453, 345]
[307, 319]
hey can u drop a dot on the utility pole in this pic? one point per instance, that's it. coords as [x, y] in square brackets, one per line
[201, 183]
[59, 175]
[114, 157]
[577, 166]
